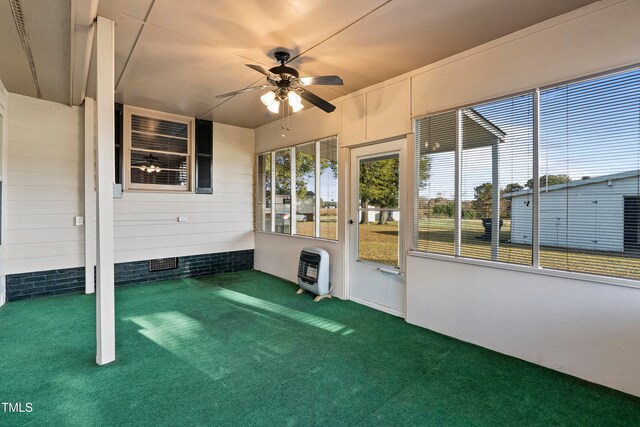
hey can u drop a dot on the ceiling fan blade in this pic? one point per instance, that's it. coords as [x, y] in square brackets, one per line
[261, 70]
[317, 101]
[249, 89]
[321, 80]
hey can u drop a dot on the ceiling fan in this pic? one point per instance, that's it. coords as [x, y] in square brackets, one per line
[286, 84]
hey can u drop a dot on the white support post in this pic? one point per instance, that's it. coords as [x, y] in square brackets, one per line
[316, 215]
[535, 214]
[293, 209]
[457, 227]
[105, 303]
[89, 197]
[495, 202]
[273, 191]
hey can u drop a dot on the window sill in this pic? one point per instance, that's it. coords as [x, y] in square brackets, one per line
[320, 239]
[603, 280]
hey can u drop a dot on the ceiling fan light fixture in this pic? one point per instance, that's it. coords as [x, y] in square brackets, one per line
[274, 107]
[268, 98]
[295, 101]
[294, 98]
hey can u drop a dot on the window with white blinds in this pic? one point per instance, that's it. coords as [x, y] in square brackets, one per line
[434, 202]
[589, 185]
[587, 153]
[497, 162]
[297, 190]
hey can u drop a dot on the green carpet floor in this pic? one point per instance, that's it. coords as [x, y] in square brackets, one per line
[244, 349]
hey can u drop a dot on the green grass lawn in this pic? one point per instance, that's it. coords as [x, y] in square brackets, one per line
[379, 243]
[436, 235]
[244, 349]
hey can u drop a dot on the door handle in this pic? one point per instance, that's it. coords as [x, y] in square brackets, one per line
[391, 271]
[350, 221]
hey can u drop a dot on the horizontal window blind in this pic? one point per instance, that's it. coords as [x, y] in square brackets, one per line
[434, 204]
[589, 185]
[159, 152]
[497, 162]
[588, 173]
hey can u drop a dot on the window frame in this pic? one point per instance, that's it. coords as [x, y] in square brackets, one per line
[258, 226]
[189, 121]
[535, 267]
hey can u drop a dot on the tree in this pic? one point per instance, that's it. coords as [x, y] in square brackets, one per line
[513, 187]
[483, 195]
[379, 182]
[547, 180]
[305, 169]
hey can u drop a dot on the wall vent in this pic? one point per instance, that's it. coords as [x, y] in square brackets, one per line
[163, 264]
[21, 27]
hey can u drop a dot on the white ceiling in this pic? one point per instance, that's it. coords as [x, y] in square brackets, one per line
[176, 56]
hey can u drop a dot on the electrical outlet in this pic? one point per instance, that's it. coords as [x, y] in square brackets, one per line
[182, 219]
[79, 220]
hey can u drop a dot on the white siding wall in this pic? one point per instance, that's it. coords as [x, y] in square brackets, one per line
[45, 192]
[591, 226]
[146, 224]
[45, 185]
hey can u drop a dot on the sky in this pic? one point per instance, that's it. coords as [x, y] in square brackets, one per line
[590, 128]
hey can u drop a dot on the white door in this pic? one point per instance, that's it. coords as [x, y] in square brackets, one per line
[375, 227]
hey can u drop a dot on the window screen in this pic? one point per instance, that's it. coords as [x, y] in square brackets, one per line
[310, 178]
[305, 189]
[589, 186]
[328, 188]
[263, 197]
[282, 205]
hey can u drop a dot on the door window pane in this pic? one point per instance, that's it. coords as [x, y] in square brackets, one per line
[378, 213]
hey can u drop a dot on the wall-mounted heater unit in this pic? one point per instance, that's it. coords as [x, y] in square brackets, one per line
[313, 272]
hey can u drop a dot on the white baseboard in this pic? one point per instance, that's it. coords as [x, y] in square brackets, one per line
[378, 307]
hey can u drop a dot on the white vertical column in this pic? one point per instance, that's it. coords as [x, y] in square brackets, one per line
[495, 202]
[457, 227]
[273, 191]
[294, 192]
[535, 213]
[316, 215]
[105, 304]
[89, 197]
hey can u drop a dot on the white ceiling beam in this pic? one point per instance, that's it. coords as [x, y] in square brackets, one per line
[83, 15]
[134, 50]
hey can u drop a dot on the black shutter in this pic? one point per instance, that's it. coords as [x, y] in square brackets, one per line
[204, 157]
[119, 133]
